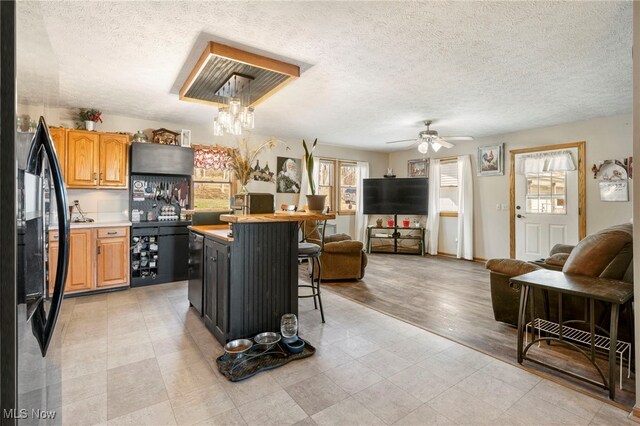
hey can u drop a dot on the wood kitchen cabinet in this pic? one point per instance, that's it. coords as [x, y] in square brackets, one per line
[59, 137]
[215, 309]
[80, 271]
[96, 160]
[114, 153]
[98, 258]
[83, 155]
[112, 257]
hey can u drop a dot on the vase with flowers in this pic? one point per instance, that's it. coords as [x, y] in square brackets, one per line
[241, 157]
[90, 117]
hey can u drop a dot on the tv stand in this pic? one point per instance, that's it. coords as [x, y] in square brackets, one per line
[390, 240]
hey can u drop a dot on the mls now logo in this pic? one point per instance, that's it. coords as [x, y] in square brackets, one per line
[23, 413]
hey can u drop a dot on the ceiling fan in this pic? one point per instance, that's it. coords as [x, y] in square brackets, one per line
[430, 138]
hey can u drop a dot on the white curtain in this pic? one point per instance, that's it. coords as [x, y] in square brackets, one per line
[465, 208]
[362, 220]
[554, 161]
[433, 220]
[304, 188]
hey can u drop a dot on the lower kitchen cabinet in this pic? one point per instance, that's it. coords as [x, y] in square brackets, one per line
[215, 309]
[112, 257]
[98, 259]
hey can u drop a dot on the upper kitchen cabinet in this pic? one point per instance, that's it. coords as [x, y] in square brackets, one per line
[97, 160]
[83, 159]
[59, 136]
[114, 152]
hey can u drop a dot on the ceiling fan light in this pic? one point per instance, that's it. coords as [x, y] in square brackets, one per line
[423, 147]
[436, 146]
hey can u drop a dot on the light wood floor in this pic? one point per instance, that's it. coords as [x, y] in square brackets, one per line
[451, 297]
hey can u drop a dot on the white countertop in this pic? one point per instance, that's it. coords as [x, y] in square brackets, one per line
[106, 224]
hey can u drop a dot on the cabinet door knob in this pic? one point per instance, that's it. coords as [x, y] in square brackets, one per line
[100, 176]
[213, 259]
[95, 176]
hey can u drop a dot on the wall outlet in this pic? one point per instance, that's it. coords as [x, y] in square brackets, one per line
[505, 207]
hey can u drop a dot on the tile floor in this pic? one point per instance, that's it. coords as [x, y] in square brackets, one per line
[141, 356]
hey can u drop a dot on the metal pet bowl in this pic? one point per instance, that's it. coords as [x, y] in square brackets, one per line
[267, 340]
[237, 348]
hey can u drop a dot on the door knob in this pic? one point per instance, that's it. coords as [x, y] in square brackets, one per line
[519, 216]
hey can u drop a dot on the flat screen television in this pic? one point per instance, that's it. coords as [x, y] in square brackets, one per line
[395, 196]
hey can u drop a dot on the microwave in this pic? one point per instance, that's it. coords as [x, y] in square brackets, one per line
[253, 203]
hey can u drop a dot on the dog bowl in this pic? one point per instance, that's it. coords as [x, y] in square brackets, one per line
[237, 348]
[267, 340]
[295, 347]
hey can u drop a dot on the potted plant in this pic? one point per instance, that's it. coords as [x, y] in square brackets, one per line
[315, 202]
[90, 117]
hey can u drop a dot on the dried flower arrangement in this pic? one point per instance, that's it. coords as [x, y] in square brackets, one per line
[241, 158]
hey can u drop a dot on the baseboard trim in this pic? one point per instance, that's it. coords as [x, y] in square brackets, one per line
[475, 259]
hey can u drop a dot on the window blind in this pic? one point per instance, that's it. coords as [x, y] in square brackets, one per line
[449, 173]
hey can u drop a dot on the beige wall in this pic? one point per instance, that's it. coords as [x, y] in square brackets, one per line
[606, 138]
[111, 205]
[636, 180]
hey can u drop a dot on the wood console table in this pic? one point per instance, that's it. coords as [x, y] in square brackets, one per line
[613, 292]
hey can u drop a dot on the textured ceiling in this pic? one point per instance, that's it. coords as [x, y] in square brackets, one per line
[371, 71]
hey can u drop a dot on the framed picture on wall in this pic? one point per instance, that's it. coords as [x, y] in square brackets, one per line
[491, 160]
[418, 168]
[185, 138]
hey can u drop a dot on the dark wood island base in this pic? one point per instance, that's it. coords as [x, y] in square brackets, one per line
[251, 280]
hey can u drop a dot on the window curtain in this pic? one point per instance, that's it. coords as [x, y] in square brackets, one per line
[433, 221]
[465, 208]
[362, 220]
[554, 161]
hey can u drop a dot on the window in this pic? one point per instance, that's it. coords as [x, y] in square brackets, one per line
[211, 178]
[546, 193]
[338, 180]
[449, 186]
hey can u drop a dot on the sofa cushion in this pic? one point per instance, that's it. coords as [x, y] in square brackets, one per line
[510, 267]
[557, 259]
[336, 237]
[347, 246]
[592, 255]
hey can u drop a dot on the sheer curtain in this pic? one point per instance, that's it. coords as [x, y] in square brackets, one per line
[362, 220]
[545, 162]
[465, 208]
[433, 221]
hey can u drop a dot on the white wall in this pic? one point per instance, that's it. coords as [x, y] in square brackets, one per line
[108, 205]
[606, 138]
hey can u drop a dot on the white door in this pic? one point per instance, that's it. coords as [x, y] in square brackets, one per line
[546, 211]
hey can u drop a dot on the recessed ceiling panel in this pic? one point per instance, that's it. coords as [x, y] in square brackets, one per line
[219, 62]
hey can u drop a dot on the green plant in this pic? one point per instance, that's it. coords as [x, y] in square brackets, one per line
[308, 162]
[90, 115]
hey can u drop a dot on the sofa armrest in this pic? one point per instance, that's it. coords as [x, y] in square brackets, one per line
[510, 267]
[336, 237]
[561, 248]
[349, 246]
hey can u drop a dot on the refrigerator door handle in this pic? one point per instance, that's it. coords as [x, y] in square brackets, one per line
[43, 324]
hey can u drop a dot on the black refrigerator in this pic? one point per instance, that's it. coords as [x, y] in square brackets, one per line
[31, 184]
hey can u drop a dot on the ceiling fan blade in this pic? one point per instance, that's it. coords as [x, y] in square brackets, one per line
[457, 138]
[402, 140]
[445, 143]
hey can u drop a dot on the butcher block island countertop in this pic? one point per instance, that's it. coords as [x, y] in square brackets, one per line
[275, 217]
[215, 231]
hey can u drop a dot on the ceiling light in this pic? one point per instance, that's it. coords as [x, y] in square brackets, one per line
[423, 147]
[235, 81]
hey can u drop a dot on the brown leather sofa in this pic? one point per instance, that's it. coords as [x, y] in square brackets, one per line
[342, 258]
[607, 254]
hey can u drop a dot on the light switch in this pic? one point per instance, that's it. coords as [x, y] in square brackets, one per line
[505, 207]
[498, 206]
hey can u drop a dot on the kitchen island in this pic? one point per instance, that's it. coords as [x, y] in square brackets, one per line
[248, 280]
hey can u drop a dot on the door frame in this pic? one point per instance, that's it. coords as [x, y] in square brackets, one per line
[582, 183]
